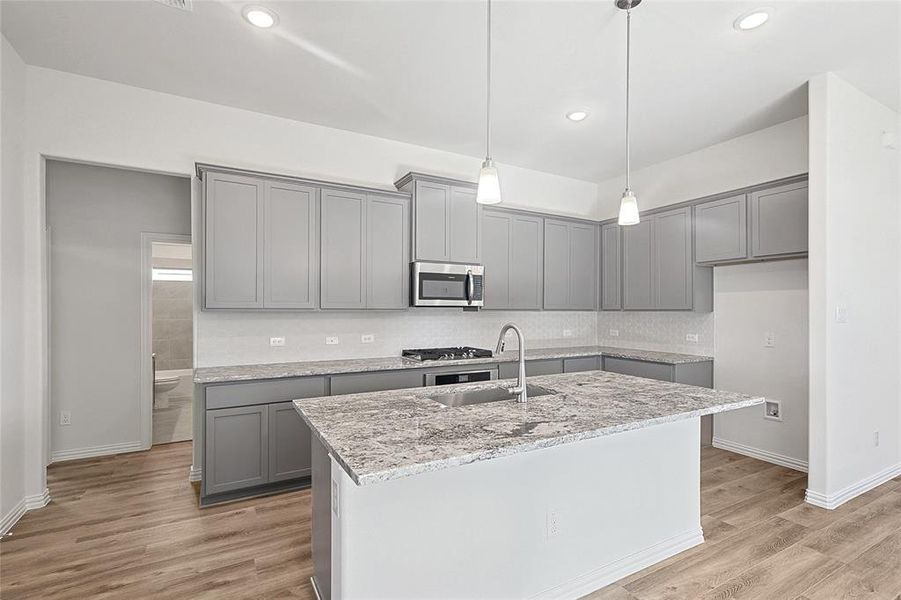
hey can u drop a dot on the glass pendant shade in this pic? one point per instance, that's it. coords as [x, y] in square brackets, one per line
[628, 209]
[489, 184]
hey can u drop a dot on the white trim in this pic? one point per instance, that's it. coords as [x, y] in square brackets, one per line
[24, 505]
[195, 474]
[146, 412]
[833, 501]
[761, 454]
[63, 455]
[609, 573]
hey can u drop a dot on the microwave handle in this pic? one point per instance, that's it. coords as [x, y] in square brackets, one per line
[470, 286]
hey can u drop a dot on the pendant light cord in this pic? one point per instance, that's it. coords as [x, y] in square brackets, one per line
[628, 60]
[488, 100]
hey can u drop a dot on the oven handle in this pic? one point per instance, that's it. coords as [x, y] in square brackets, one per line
[470, 286]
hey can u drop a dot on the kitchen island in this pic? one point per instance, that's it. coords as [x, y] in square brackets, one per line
[552, 498]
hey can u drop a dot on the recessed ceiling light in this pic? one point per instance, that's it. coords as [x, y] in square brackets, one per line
[577, 115]
[259, 16]
[752, 20]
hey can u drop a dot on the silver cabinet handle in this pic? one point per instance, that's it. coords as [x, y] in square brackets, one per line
[470, 286]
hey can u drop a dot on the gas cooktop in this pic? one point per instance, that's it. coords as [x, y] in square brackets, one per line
[455, 353]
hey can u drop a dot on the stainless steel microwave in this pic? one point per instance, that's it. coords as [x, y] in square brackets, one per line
[446, 284]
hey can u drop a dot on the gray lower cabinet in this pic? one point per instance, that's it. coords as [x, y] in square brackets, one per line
[611, 267]
[587, 363]
[721, 231]
[343, 260]
[512, 245]
[289, 443]
[237, 448]
[570, 265]
[779, 220]
[375, 382]
[534, 368]
[291, 246]
[446, 219]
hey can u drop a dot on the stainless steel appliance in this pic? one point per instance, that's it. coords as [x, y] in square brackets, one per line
[450, 353]
[446, 284]
[464, 375]
[448, 376]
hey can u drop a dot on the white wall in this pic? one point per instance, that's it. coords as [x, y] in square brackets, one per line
[752, 300]
[854, 265]
[12, 275]
[766, 155]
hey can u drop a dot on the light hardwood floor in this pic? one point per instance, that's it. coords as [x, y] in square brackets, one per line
[129, 527]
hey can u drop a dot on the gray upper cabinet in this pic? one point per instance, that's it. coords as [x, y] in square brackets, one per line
[638, 265]
[512, 254]
[556, 264]
[721, 232]
[431, 207]
[343, 249]
[583, 266]
[289, 443]
[611, 267]
[779, 220]
[673, 264]
[570, 265]
[233, 262]
[236, 449]
[465, 225]
[388, 255]
[291, 246]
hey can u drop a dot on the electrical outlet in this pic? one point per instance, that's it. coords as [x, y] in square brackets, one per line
[567, 333]
[769, 340]
[876, 439]
[841, 314]
[331, 340]
[614, 333]
[553, 523]
[691, 337]
[773, 410]
[65, 417]
[335, 505]
[276, 341]
[367, 338]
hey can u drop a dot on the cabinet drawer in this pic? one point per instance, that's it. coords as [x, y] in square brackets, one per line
[588, 363]
[264, 392]
[639, 368]
[375, 382]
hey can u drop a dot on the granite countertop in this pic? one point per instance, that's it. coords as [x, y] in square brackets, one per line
[387, 435]
[395, 363]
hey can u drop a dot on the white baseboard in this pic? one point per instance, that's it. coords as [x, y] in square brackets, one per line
[195, 474]
[761, 454]
[62, 455]
[833, 501]
[612, 572]
[24, 505]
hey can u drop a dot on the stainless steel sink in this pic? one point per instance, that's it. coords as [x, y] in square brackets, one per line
[489, 395]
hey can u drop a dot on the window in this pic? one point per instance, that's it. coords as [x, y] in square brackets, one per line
[162, 274]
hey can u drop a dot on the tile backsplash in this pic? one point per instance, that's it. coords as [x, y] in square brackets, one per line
[171, 325]
[665, 331]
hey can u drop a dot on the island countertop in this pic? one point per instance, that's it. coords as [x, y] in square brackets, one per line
[394, 363]
[381, 436]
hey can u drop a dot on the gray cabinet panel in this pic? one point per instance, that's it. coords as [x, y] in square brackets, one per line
[289, 443]
[550, 366]
[496, 246]
[611, 268]
[291, 246]
[343, 258]
[574, 365]
[465, 225]
[556, 264]
[638, 265]
[583, 267]
[526, 262]
[228, 395]
[779, 220]
[388, 242]
[375, 382]
[673, 264]
[721, 232]
[431, 212]
[237, 453]
[233, 208]
[639, 368]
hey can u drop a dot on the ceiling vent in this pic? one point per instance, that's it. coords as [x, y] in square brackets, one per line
[179, 4]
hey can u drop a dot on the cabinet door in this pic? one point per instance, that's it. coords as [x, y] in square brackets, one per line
[343, 243]
[290, 246]
[721, 231]
[388, 242]
[638, 265]
[233, 207]
[611, 268]
[237, 453]
[289, 443]
[465, 225]
[779, 220]
[496, 242]
[526, 262]
[673, 265]
[556, 264]
[583, 275]
[431, 210]
[639, 368]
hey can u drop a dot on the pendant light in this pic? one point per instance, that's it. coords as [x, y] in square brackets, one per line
[489, 184]
[628, 206]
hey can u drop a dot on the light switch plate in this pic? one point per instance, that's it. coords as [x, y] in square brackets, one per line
[331, 340]
[841, 314]
[276, 341]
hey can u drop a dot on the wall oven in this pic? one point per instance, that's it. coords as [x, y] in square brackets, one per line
[446, 284]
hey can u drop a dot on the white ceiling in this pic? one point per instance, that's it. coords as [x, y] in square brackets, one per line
[415, 71]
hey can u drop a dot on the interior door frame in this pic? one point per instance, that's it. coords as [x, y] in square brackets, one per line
[147, 241]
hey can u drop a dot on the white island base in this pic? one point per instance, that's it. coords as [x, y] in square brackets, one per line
[558, 522]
